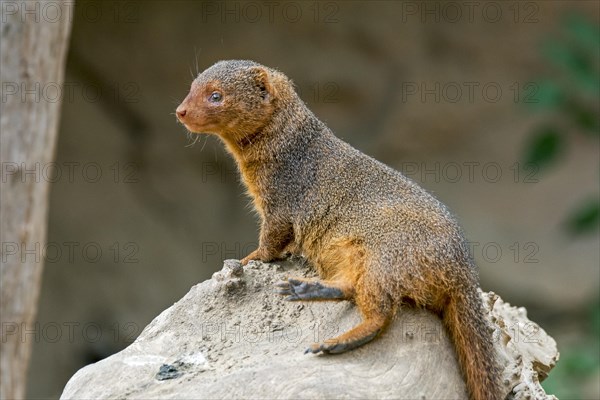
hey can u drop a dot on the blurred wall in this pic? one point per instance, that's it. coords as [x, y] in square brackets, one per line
[141, 212]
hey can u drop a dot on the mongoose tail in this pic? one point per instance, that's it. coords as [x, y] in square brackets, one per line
[469, 332]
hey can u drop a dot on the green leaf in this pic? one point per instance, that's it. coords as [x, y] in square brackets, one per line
[547, 95]
[580, 361]
[544, 148]
[584, 118]
[583, 31]
[576, 51]
[585, 218]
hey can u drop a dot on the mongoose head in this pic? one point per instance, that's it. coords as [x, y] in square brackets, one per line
[233, 99]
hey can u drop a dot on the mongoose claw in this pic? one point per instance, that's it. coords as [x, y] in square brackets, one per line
[296, 289]
[332, 347]
[283, 288]
[282, 284]
[314, 348]
[288, 288]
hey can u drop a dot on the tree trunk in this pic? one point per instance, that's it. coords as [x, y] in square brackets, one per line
[33, 48]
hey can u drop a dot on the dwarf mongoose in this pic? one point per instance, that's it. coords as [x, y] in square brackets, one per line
[374, 236]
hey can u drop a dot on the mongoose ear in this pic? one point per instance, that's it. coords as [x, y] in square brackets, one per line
[263, 82]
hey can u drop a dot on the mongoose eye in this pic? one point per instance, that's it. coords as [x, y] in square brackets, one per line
[215, 97]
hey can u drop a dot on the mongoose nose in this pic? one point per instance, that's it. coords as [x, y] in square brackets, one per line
[181, 112]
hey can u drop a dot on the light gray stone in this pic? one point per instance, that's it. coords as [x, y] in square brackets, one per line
[233, 337]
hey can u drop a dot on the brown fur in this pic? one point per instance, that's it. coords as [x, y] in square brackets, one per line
[374, 236]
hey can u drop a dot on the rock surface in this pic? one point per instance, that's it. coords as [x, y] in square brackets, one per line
[232, 337]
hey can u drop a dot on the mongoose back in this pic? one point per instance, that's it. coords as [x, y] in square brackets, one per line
[374, 236]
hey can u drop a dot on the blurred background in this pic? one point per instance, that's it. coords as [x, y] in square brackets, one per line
[492, 106]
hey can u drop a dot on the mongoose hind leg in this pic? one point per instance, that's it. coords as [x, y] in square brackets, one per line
[377, 312]
[298, 289]
[355, 337]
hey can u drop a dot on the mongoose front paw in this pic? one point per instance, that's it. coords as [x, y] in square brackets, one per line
[258, 255]
[292, 288]
[255, 255]
[296, 289]
[245, 260]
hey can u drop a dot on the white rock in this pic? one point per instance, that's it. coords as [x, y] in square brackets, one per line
[233, 337]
